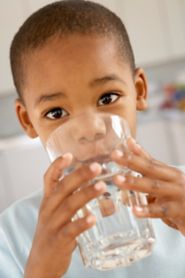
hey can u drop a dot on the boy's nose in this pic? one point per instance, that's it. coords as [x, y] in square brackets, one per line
[90, 137]
[89, 130]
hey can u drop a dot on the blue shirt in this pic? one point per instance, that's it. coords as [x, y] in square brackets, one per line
[17, 226]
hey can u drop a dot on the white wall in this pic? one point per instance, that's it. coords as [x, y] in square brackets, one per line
[156, 29]
[23, 163]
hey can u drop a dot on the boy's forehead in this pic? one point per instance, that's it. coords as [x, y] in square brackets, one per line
[71, 60]
[79, 48]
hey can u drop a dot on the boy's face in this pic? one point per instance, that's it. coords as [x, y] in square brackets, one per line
[77, 74]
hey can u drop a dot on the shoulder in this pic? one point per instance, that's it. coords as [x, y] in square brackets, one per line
[22, 214]
[22, 210]
[17, 227]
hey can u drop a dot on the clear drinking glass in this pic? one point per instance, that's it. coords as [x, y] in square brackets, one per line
[118, 238]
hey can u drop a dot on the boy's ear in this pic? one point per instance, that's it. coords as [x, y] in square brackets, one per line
[23, 118]
[141, 86]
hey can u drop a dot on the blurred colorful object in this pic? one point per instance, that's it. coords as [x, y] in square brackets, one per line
[174, 97]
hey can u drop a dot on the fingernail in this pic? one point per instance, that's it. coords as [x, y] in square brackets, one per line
[68, 156]
[118, 153]
[138, 209]
[99, 186]
[95, 167]
[120, 178]
[136, 145]
[91, 219]
[141, 209]
[133, 140]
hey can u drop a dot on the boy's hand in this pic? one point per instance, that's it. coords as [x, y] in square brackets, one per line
[54, 240]
[164, 184]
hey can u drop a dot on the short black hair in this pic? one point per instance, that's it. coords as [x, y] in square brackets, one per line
[64, 18]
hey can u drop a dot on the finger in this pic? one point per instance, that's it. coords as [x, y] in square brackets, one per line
[153, 187]
[73, 229]
[74, 202]
[151, 198]
[171, 213]
[69, 184]
[182, 229]
[136, 148]
[80, 177]
[166, 210]
[139, 150]
[54, 173]
[170, 223]
[149, 167]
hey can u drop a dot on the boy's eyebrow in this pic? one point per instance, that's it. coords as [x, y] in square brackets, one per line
[48, 97]
[95, 82]
[105, 79]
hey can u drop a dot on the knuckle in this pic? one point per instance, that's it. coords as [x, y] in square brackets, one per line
[51, 173]
[150, 165]
[83, 226]
[129, 158]
[131, 179]
[57, 171]
[75, 229]
[79, 227]
[84, 173]
[69, 207]
[68, 232]
[155, 184]
[87, 194]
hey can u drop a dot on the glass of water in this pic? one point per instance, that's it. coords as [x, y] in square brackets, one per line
[118, 238]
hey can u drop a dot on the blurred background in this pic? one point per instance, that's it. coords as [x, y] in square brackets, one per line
[157, 33]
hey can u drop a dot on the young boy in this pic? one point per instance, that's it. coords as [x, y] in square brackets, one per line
[72, 57]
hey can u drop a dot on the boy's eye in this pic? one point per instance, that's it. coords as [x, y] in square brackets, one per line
[108, 98]
[56, 113]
